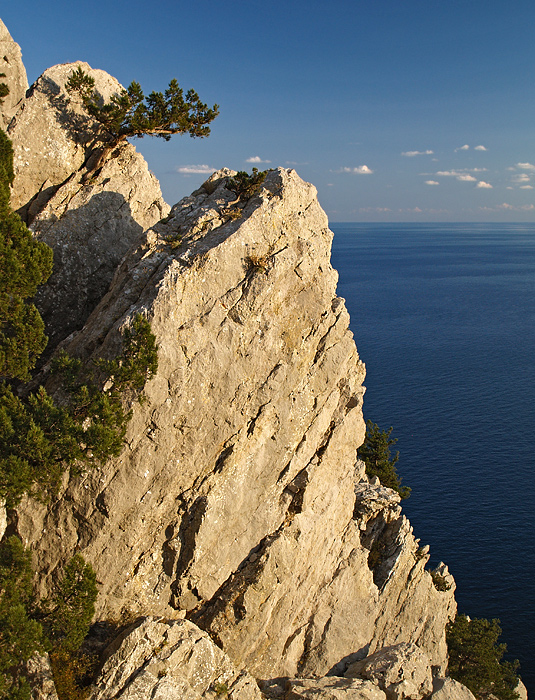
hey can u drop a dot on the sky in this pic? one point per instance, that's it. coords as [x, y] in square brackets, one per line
[395, 111]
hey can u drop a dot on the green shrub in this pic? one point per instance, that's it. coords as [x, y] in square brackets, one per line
[475, 659]
[245, 185]
[58, 625]
[375, 453]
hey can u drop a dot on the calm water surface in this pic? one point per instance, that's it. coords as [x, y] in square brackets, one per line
[444, 318]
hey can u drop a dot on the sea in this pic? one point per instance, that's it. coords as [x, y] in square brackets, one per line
[443, 316]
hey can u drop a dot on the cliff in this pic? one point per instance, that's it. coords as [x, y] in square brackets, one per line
[237, 526]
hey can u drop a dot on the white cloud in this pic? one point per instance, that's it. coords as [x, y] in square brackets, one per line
[432, 182]
[484, 185]
[411, 154]
[256, 159]
[505, 206]
[526, 187]
[520, 177]
[461, 175]
[196, 170]
[525, 166]
[509, 188]
[378, 210]
[462, 148]
[359, 170]
[480, 148]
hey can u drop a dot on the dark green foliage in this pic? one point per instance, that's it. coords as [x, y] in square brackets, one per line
[66, 616]
[245, 185]
[475, 658]
[40, 438]
[139, 360]
[20, 635]
[58, 625]
[130, 113]
[25, 263]
[4, 90]
[375, 453]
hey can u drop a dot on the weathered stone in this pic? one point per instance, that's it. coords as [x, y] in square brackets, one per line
[403, 671]
[235, 495]
[39, 674]
[171, 660]
[90, 226]
[332, 688]
[15, 75]
[52, 135]
[448, 689]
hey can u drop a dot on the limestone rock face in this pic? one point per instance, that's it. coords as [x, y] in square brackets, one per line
[39, 674]
[90, 218]
[171, 660]
[332, 688]
[52, 135]
[15, 75]
[448, 689]
[238, 498]
[90, 226]
[403, 671]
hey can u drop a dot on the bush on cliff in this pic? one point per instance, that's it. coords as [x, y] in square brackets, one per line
[475, 659]
[375, 453]
[25, 263]
[58, 624]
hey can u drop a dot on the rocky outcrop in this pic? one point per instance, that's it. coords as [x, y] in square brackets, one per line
[90, 226]
[52, 136]
[402, 671]
[171, 659]
[89, 217]
[238, 498]
[448, 689]
[15, 76]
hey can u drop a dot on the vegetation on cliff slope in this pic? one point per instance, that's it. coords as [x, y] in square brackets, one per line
[375, 453]
[476, 658]
[57, 625]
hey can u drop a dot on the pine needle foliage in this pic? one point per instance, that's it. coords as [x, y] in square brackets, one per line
[58, 624]
[41, 438]
[130, 113]
[25, 263]
[4, 90]
[245, 185]
[375, 453]
[20, 634]
[475, 659]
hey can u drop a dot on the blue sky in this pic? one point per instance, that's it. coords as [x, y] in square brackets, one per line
[396, 111]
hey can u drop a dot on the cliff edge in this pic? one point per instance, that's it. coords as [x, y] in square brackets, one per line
[237, 529]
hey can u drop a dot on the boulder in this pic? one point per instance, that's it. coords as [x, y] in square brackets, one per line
[39, 674]
[403, 671]
[332, 688]
[449, 689]
[52, 135]
[15, 76]
[169, 660]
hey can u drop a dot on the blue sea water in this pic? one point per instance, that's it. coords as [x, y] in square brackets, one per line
[444, 318]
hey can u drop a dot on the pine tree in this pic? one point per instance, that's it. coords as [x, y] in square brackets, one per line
[20, 635]
[475, 658]
[375, 453]
[130, 113]
[25, 263]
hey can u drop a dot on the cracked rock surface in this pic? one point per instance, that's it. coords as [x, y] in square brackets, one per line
[234, 499]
